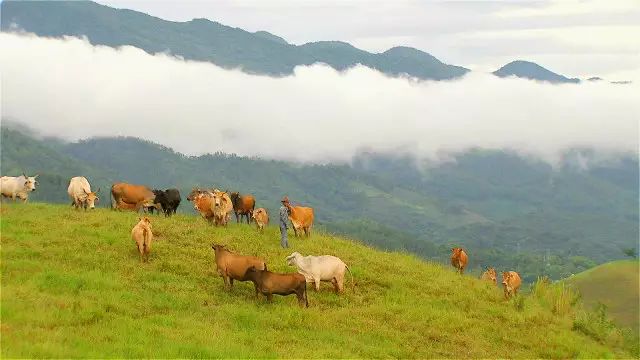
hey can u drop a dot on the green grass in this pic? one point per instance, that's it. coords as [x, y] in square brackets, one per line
[614, 284]
[72, 286]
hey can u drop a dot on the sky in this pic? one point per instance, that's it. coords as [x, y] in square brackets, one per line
[315, 115]
[577, 38]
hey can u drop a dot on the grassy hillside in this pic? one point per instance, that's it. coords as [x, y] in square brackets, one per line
[72, 286]
[615, 285]
[511, 212]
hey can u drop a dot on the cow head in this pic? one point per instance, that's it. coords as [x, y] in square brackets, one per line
[145, 220]
[505, 278]
[194, 193]
[217, 247]
[492, 274]
[30, 182]
[292, 259]
[92, 198]
[252, 272]
[455, 252]
[235, 196]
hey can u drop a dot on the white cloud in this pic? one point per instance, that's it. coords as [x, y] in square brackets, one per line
[72, 89]
[571, 7]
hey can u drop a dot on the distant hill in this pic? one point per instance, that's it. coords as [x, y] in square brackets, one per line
[204, 40]
[508, 211]
[616, 285]
[533, 71]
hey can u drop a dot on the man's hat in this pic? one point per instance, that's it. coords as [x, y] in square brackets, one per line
[285, 200]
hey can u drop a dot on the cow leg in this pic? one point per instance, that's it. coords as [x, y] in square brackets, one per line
[317, 283]
[225, 279]
[230, 283]
[140, 251]
[335, 285]
[270, 297]
[300, 296]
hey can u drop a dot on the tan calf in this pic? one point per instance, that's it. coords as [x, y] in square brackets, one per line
[142, 235]
[511, 282]
[261, 216]
[490, 275]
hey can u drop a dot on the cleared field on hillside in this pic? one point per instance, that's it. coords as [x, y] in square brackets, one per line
[616, 285]
[73, 286]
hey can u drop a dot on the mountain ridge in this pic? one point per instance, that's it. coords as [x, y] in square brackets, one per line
[201, 39]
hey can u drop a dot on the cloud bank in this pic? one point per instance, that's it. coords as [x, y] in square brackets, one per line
[71, 89]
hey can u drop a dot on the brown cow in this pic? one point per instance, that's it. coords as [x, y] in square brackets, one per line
[511, 282]
[490, 275]
[459, 259]
[232, 266]
[130, 196]
[142, 235]
[203, 203]
[269, 283]
[243, 205]
[301, 218]
[261, 216]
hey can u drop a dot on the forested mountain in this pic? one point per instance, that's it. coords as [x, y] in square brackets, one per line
[200, 39]
[508, 211]
[204, 40]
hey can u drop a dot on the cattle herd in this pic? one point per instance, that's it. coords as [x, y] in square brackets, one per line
[215, 206]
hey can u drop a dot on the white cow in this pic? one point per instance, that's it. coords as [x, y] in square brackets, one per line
[320, 268]
[18, 186]
[79, 191]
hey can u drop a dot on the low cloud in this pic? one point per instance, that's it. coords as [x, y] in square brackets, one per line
[71, 89]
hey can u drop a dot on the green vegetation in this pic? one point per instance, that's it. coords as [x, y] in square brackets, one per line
[72, 286]
[508, 212]
[613, 285]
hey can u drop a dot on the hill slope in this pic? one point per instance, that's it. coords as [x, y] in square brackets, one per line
[615, 285]
[512, 212]
[204, 40]
[77, 289]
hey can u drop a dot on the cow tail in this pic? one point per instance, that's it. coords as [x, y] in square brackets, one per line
[353, 285]
[145, 236]
[306, 298]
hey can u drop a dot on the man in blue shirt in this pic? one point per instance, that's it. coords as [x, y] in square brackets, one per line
[284, 217]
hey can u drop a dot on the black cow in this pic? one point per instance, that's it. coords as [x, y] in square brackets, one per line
[169, 200]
